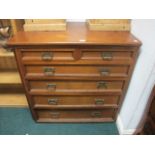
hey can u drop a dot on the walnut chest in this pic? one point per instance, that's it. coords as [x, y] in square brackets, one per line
[76, 75]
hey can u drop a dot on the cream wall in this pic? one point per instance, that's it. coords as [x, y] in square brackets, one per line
[142, 80]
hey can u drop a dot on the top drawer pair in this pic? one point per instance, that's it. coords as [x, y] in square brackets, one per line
[76, 56]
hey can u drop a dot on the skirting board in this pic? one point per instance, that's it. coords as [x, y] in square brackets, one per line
[121, 129]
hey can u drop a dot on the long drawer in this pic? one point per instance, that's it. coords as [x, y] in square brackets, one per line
[47, 56]
[75, 101]
[75, 85]
[75, 115]
[93, 71]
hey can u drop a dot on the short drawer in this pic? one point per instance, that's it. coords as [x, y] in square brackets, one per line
[75, 115]
[67, 70]
[106, 55]
[65, 86]
[47, 55]
[75, 101]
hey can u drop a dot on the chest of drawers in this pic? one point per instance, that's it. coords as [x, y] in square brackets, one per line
[76, 75]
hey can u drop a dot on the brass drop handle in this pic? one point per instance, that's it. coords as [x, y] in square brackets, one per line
[53, 101]
[55, 114]
[51, 86]
[106, 55]
[104, 72]
[96, 114]
[49, 71]
[47, 56]
[102, 85]
[99, 101]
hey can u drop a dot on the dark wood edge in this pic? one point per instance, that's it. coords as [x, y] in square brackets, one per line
[70, 93]
[105, 106]
[82, 120]
[118, 62]
[77, 78]
[129, 47]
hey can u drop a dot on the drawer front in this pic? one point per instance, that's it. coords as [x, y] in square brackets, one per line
[48, 54]
[95, 71]
[75, 101]
[75, 85]
[95, 54]
[64, 54]
[75, 114]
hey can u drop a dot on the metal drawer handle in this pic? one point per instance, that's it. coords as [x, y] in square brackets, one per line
[55, 114]
[96, 114]
[105, 72]
[99, 101]
[47, 56]
[53, 101]
[51, 87]
[49, 71]
[102, 85]
[106, 55]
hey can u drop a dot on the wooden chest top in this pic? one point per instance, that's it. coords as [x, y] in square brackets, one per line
[76, 33]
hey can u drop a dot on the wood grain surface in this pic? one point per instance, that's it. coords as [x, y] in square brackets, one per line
[74, 68]
[76, 33]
